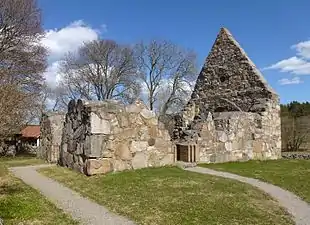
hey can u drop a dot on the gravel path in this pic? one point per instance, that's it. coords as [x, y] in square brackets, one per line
[81, 209]
[294, 205]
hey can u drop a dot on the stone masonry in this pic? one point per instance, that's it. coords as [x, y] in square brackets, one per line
[233, 114]
[101, 137]
[51, 128]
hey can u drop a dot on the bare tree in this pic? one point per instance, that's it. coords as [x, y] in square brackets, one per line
[99, 70]
[22, 62]
[167, 73]
[295, 132]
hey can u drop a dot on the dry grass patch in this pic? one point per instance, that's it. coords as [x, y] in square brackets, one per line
[21, 204]
[174, 196]
[292, 175]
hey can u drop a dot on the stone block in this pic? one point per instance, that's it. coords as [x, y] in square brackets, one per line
[140, 160]
[228, 146]
[98, 166]
[147, 114]
[133, 108]
[123, 121]
[98, 125]
[258, 146]
[96, 146]
[122, 152]
[222, 136]
[143, 133]
[153, 159]
[167, 160]
[128, 133]
[120, 165]
[138, 146]
[153, 131]
[135, 119]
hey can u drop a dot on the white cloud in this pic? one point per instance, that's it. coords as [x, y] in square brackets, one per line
[303, 49]
[60, 41]
[69, 38]
[285, 81]
[298, 64]
[52, 74]
[292, 65]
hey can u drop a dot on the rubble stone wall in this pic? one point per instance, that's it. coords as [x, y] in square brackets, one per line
[101, 137]
[51, 128]
[233, 114]
[235, 136]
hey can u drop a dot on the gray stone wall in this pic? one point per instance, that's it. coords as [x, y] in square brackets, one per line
[51, 128]
[235, 136]
[101, 137]
[233, 114]
[229, 80]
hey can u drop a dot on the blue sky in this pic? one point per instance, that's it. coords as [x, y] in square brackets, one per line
[275, 34]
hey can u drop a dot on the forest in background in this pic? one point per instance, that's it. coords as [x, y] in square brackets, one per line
[295, 126]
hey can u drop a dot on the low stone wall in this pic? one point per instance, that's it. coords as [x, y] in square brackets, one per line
[101, 137]
[51, 128]
[235, 136]
[296, 155]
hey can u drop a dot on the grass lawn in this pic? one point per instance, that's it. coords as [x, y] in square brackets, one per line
[21, 204]
[292, 175]
[174, 196]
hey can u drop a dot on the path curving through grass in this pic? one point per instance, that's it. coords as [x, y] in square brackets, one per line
[173, 196]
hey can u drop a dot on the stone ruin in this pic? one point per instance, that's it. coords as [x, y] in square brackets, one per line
[100, 137]
[232, 115]
[51, 127]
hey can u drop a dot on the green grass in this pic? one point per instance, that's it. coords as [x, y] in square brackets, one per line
[292, 175]
[20, 161]
[21, 204]
[173, 196]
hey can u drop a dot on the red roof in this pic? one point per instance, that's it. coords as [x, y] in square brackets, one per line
[31, 131]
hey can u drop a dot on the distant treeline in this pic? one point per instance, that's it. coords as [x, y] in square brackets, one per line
[295, 126]
[295, 109]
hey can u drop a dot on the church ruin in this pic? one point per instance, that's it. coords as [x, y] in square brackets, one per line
[232, 115]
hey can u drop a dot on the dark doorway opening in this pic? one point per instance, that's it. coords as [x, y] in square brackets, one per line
[186, 153]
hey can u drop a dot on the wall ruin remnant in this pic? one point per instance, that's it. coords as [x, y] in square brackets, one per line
[51, 128]
[101, 137]
[233, 114]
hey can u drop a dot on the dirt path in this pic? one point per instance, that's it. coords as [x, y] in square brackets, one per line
[81, 209]
[299, 209]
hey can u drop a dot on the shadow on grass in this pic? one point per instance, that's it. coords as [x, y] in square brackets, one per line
[6, 189]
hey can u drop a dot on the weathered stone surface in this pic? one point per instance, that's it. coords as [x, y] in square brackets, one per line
[98, 166]
[167, 160]
[97, 145]
[122, 152]
[120, 165]
[232, 110]
[133, 108]
[147, 114]
[51, 129]
[98, 125]
[257, 146]
[138, 146]
[99, 132]
[140, 160]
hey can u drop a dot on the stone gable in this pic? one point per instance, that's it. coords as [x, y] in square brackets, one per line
[233, 113]
[229, 76]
